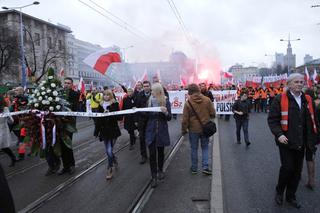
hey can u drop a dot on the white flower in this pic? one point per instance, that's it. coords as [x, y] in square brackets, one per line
[43, 93]
[42, 88]
[36, 91]
[51, 108]
[53, 85]
[40, 98]
[50, 99]
[32, 95]
[36, 105]
[49, 90]
[43, 102]
[58, 107]
[55, 93]
[43, 82]
[57, 99]
[50, 77]
[38, 94]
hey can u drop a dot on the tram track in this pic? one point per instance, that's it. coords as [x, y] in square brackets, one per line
[29, 167]
[146, 192]
[34, 206]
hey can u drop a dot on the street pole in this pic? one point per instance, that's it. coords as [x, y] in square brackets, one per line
[23, 65]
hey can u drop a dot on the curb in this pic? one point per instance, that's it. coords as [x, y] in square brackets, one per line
[216, 203]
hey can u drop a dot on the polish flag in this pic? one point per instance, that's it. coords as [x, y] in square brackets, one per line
[81, 86]
[307, 78]
[227, 74]
[101, 60]
[315, 76]
[61, 73]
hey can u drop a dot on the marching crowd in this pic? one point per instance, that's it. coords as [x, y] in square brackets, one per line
[293, 119]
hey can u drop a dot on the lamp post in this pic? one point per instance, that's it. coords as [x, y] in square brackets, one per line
[23, 64]
[124, 52]
[289, 48]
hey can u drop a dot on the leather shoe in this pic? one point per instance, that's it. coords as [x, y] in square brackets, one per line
[279, 199]
[294, 203]
[63, 171]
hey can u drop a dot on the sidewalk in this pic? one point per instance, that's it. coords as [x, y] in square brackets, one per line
[184, 192]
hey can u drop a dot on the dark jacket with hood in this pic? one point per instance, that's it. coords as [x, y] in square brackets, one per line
[300, 127]
[203, 107]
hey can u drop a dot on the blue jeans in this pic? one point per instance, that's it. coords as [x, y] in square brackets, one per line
[244, 124]
[109, 150]
[194, 142]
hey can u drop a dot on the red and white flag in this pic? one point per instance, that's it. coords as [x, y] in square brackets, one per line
[101, 60]
[61, 73]
[315, 76]
[307, 78]
[144, 76]
[227, 74]
[81, 86]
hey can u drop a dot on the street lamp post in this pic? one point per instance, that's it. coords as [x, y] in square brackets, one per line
[124, 52]
[23, 64]
[289, 40]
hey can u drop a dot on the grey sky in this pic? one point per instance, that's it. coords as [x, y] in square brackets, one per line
[227, 31]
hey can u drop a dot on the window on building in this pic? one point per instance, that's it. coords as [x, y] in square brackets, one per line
[49, 42]
[37, 39]
[60, 45]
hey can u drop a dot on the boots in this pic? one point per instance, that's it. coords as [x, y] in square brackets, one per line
[311, 175]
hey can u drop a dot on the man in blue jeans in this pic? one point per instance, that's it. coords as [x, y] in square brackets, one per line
[202, 106]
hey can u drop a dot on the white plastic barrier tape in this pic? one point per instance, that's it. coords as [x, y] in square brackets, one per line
[89, 114]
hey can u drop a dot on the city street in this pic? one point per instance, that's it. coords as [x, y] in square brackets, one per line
[250, 174]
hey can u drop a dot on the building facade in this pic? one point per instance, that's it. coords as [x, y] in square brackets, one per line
[240, 73]
[44, 45]
[307, 58]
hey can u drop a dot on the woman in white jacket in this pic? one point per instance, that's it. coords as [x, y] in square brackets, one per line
[6, 137]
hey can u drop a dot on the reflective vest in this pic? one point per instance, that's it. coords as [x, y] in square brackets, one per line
[285, 111]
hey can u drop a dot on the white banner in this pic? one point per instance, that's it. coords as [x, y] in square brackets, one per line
[177, 100]
[224, 99]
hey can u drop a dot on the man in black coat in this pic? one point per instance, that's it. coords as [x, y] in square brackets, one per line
[67, 153]
[129, 120]
[206, 92]
[293, 122]
[141, 102]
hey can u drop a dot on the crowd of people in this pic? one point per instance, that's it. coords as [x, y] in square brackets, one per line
[293, 118]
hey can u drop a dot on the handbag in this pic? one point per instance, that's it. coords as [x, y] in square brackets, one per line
[209, 128]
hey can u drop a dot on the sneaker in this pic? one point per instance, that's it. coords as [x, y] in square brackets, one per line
[109, 174]
[207, 172]
[63, 171]
[248, 143]
[193, 171]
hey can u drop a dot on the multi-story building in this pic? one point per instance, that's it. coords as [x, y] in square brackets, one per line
[307, 58]
[289, 58]
[279, 59]
[44, 45]
[80, 50]
[240, 73]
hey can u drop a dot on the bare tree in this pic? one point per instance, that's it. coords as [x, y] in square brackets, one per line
[9, 50]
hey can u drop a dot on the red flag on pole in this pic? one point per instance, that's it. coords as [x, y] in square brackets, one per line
[61, 73]
[307, 78]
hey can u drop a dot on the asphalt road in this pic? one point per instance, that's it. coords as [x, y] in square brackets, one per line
[91, 193]
[250, 174]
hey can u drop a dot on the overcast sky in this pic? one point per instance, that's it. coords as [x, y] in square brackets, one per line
[226, 31]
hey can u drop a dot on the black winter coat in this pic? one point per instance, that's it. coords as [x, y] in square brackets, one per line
[129, 120]
[300, 128]
[108, 127]
[141, 102]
